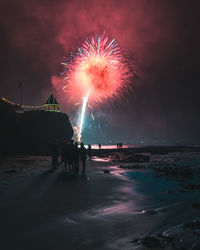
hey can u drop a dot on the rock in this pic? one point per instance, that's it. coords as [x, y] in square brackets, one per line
[178, 244]
[161, 241]
[106, 171]
[37, 137]
[138, 158]
[194, 224]
[10, 171]
[182, 191]
[31, 132]
[169, 192]
[196, 246]
[151, 211]
[136, 241]
[179, 172]
[124, 167]
[192, 186]
[130, 167]
[196, 205]
[151, 242]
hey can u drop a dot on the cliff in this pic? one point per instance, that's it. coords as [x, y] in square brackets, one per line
[31, 132]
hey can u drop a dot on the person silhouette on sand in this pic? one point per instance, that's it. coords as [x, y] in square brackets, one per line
[54, 155]
[62, 152]
[89, 151]
[83, 156]
[76, 159]
[71, 156]
[66, 154]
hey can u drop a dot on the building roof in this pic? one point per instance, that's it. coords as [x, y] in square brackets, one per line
[51, 100]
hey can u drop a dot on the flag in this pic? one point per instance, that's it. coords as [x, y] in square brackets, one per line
[19, 85]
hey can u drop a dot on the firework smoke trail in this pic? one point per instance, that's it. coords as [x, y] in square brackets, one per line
[98, 67]
[84, 105]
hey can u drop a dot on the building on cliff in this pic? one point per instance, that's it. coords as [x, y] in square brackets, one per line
[52, 104]
[21, 134]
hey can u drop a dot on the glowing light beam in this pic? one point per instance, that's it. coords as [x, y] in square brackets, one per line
[83, 109]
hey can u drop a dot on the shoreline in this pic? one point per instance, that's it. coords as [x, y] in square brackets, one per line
[117, 209]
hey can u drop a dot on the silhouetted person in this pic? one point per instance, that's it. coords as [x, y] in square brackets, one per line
[76, 158]
[71, 156]
[55, 154]
[83, 156]
[99, 146]
[89, 151]
[62, 152]
[66, 154]
[119, 145]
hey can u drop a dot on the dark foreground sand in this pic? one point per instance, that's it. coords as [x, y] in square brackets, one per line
[134, 206]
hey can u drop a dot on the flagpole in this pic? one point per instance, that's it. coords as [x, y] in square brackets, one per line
[21, 95]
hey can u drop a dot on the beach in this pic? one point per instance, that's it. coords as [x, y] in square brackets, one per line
[130, 199]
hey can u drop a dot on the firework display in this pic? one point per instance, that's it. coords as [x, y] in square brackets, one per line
[96, 73]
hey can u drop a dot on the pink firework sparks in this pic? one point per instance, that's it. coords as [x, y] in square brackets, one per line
[98, 67]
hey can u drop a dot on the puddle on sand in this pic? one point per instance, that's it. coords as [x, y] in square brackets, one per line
[161, 190]
[95, 158]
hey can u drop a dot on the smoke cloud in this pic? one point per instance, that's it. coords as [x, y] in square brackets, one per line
[160, 36]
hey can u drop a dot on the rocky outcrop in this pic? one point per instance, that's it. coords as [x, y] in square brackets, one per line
[8, 127]
[31, 132]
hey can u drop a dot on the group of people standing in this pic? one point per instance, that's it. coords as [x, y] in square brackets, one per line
[70, 155]
[119, 145]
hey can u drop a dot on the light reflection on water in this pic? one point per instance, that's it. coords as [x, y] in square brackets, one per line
[95, 158]
[162, 190]
[96, 146]
[116, 209]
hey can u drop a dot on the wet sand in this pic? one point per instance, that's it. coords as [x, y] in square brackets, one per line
[128, 206]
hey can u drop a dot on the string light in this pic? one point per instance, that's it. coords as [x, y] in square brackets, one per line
[23, 106]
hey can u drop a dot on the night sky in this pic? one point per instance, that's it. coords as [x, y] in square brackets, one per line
[160, 36]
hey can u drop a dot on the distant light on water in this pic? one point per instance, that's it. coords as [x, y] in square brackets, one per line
[96, 146]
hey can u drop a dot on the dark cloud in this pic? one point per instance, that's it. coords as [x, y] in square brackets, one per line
[162, 37]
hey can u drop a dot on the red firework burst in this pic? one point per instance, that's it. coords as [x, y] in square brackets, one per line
[98, 68]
